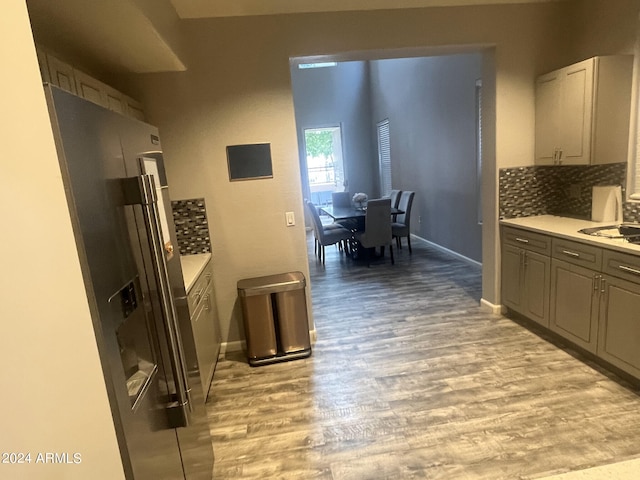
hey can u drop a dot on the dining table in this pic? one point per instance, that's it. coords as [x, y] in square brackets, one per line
[347, 213]
[354, 218]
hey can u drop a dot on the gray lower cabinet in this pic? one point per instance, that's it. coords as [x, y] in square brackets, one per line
[512, 278]
[619, 335]
[574, 303]
[593, 293]
[206, 329]
[526, 274]
[575, 274]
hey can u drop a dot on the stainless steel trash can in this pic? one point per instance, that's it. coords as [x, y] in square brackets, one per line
[274, 310]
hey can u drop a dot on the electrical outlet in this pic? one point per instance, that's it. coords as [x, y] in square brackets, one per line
[291, 219]
[419, 218]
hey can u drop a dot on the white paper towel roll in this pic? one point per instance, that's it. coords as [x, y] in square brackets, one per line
[606, 205]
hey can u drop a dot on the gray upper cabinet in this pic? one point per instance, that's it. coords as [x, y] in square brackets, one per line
[68, 78]
[89, 88]
[61, 74]
[44, 66]
[583, 112]
[133, 108]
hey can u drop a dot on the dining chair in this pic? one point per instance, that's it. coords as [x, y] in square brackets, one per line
[341, 199]
[395, 198]
[327, 234]
[377, 228]
[401, 224]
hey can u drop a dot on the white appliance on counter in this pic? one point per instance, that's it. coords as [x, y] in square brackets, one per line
[606, 203]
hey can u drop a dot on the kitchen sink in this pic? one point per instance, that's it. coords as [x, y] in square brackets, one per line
[627, 231]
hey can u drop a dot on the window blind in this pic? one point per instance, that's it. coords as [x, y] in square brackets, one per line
[384, 156]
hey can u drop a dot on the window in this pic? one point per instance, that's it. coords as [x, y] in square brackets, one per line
[384, 157]
[325, 165]
[305, 66]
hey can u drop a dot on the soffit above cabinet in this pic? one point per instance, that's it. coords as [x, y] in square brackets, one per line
[127, 36]
[236, 8]
[143, 36]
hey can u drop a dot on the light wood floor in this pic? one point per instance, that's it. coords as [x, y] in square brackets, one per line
[410, 379]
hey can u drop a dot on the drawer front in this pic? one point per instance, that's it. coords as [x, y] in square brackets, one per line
[622, 265]
[577, 253]
[199, 288]
[535, 242]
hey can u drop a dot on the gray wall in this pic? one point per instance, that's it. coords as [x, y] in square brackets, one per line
[430, 104]
[338, 96]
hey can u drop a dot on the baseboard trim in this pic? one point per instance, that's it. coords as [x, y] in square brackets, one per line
[236, 346]
[487, 306]
[449, 252]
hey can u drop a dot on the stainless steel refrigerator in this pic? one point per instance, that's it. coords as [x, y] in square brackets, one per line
[116, 188]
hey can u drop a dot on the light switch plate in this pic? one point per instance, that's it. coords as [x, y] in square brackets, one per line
[291, 219]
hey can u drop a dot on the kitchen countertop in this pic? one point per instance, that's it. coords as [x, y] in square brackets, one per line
[192, 266]
[568, 228]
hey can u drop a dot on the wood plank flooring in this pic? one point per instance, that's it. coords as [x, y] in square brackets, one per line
[410, 379]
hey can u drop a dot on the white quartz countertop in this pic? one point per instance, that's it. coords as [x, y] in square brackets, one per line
[569, 228]
[192, 266]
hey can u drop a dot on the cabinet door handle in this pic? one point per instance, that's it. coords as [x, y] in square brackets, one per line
[571, 254]
[198, 295]
[624, 268]
[522, 240]
[602, 285]
[595, 282]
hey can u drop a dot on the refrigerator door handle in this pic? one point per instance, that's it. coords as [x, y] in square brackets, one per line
[141, 190]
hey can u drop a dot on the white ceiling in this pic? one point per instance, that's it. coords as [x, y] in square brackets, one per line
[140, 36]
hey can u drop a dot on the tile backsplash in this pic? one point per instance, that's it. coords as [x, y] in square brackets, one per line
[559, 190]
[192, 228]
[525, 191]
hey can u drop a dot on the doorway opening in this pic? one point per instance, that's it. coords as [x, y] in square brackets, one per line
[440, 145]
